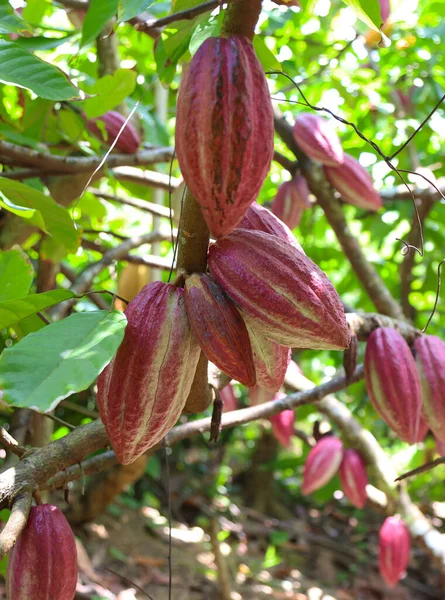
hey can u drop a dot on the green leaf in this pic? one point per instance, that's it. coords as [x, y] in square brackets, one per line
[19, 67]
[9, 21]
[12, 311]
[60, 359]
[40, 42]
[55, 218]
[35, 10]
[132, 8]
[111, 90]
[99, 12]
[265, 56]
[367, 11]
[31, 214]
[16, 274]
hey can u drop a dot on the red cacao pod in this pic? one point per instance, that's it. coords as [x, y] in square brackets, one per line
[394, 550]
[258, 395]
[142, 392]
[43, 563]
[423, 429]
[224, 130]
[128, 141]
[270, 359]
[258, 218]
[283, 424]
[279, 290]
[393, 383]
[354, 184]
[322, 463]
[219, 328]
[291, 199]
[228, 397]
[440, 447]
[318, 139]
[354, 478]
[430, 360]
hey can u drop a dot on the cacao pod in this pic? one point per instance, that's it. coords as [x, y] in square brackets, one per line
[258, 218]
[394, 550]
[354, 183]
[393, 383]
[258, 395]
[423, 429]
[43, 563]
[440, 447]
[291, 199]
[430, 360]
[283, 424]
[322, 463]
[279, 290]
[228, 397]
[350, 357]
[224, 130]
[219, 328]
[270, 359]
[354, 478]
[128, 141]
[385, 10]
[318, 139]
[142, 392]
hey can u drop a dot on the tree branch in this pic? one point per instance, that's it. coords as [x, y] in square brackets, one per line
[363, 324]
[149, 178]
[144, 205]
[8, 442]
[16, 522]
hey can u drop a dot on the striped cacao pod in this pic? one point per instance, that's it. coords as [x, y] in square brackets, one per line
[128, 141]
[280, 290]
[142, 392]
[224, 130]
[43, 563]
[219, 328]
[322, 463]
[430, 359]
[318, 139]
[354, 183]
[393, 383]
[258, 218]
[291, 199]
[354, 478]
[394, 550]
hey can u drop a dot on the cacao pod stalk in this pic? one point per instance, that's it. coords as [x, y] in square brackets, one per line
[394, 550]
[322, 463]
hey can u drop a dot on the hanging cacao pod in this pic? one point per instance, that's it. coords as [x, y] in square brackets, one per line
[354, 478]
[228, 397]
[43, 563]
[318, 139]
[291, 199]
[258, 218]
[128, 141]
[322, 463]
[142, 392]
[224, 130]
[258, 395]
[283, 424]
[279, 290]
[393, 383]
[394, 550]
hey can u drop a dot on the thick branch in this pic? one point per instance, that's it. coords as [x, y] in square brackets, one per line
[363, 324]
[16, 522]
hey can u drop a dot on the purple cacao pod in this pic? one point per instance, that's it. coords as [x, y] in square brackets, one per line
[224, 130]
[394, 550]
[228, 397]
[430, 360]
[393, 383]
[318, 139]
[354, 184]
[322, 463]
[354, 478]
[291, 199]
[128, 141]
[43, 563]
[258, 218]
[283, 424]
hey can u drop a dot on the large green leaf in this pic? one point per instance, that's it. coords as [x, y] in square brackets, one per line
[9, 21]
[265, 56]
[367, 11]
[60, 359]
[99, 12]
[19, 67]
[55, 219]
[16, 274]
[111, 90]
[131, 8]
[12, 311]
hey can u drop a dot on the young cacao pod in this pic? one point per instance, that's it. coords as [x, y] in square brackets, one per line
[142, 392]
[291, 199]
[43, 563]
[224, 130]
[430, 360]
[279, 290]
[258, 218]
[258, 395]
[394, 550]
[283, 424]
[128, 141]
[318, 139]
[393, 383]
[228, 397]
[354, 478]
[322, 463]
[219, 328]
[354, 184]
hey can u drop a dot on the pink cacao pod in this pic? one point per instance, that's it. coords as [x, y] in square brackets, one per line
[219, 328]
[142, 392]
[440, 447]
[43, 563]
[228, 397]
[258, 395]
[224, 130]
[258, 218]
[283, 424]
[279, 290]
[354, 184]
[385, 10]
[394, 550]
[291, 199]
[430, 360]
[270, 359]
[423, 429]
[393, 383]
[128, 141]
[354, 478]
[322, 463]
[318, 139]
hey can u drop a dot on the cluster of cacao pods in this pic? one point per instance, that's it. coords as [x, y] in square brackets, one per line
[112, 122]
[408, 393]
[43, 563]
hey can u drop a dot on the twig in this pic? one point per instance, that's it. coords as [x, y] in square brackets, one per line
[286, 163]
[144, 205]
[148, 178]
[10, 443]
[17, 520]
[187, 14]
